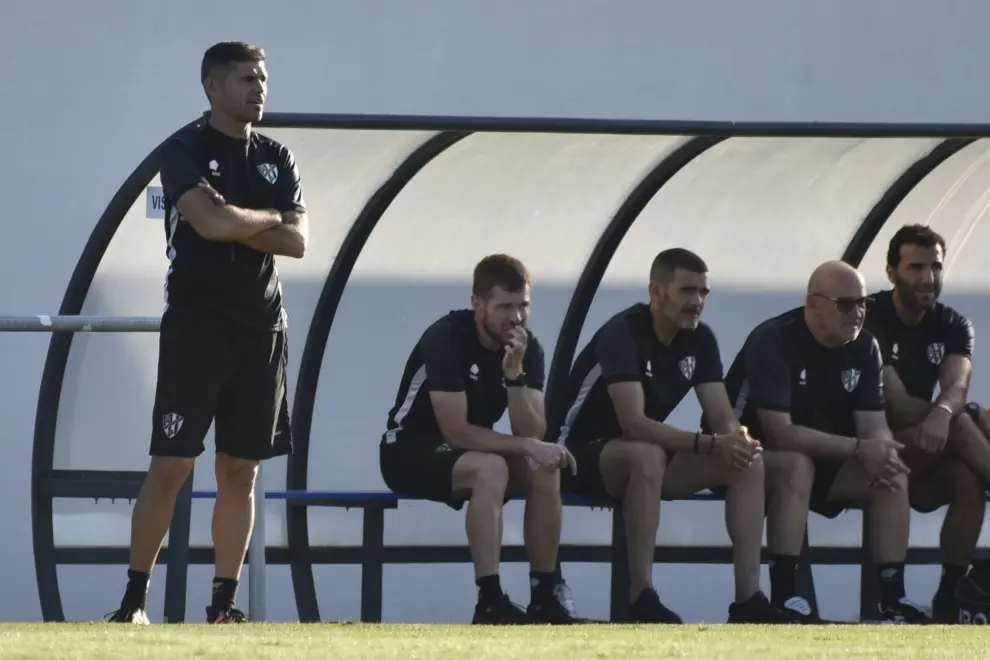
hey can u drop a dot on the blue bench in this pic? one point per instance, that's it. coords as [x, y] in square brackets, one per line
[374, 553]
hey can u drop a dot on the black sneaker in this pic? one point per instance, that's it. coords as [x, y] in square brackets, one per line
[500, 613]
[128, 614]
[945, 607]
[544, 607]
[757, 609]
[904, 612]
[225, 615]
[647, 608]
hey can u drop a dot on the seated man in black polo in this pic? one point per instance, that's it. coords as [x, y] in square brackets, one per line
[464, 372]
[624, 384]
[810, 381]
[924, 344]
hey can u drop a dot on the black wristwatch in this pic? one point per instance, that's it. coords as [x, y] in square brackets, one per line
[973, 410]
[518, 381]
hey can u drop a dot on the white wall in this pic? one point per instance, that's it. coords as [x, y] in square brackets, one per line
[91, 88]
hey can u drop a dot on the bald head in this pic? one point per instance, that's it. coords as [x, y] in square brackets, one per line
[836, 279]
[835, 307]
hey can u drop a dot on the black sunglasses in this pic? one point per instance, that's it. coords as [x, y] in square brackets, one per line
[846, 305]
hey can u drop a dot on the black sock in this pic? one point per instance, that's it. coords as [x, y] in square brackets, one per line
[783, 578]
[224, 593]
[891, 578]
[558, 574]
[136, 593]
[950, 577]
[542, 582]
[489, 588]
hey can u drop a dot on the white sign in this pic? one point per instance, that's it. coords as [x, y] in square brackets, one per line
[156, 204]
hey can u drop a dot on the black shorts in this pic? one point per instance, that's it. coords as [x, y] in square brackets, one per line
[422, 467]
[212, 370]
[589, 481]
[825, 473]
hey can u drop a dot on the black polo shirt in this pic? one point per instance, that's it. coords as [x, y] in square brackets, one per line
[783, 368]
[625, 349]
[450, 358]
[228, 278]
[916, 351]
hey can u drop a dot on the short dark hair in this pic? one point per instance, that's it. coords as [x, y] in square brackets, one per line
[919, 235]
[225, 55]
[499, 270]
[670, 260]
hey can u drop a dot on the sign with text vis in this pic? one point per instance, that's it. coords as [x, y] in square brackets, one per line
[156, 204]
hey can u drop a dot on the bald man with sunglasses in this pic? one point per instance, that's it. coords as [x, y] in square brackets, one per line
[810, 381]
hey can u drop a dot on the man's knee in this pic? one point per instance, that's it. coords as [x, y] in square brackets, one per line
[965, 487]
[623, 462]
[789, 473]
[482, 474]
[235, 475]
[898, 489]
[166, 474]
[963, 431]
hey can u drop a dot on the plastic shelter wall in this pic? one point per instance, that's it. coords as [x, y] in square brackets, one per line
[761, 211]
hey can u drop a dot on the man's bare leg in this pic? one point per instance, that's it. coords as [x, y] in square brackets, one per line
[484, 478]
[150, 521]
[789, 478]
[633, 472]
[951, 482]
[744, 502]
[541, 534]
[744, 511]
[233, 521]
[890, 524]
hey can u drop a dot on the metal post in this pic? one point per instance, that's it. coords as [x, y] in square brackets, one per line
[256, 553]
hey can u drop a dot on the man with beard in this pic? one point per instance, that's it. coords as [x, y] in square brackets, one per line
[625, 382]
[810, 381]
[926, 343]
[467, 368]
[233, 200]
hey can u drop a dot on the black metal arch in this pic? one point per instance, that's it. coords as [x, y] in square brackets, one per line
[594, 269]
[311, 362]
[874, 221]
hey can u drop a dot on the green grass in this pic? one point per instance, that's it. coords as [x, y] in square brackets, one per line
[402, 642]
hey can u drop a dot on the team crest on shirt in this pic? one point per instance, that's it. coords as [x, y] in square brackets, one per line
[936, 351]
[850, 379]
[171, 423]
[269, 171]
[687, 366]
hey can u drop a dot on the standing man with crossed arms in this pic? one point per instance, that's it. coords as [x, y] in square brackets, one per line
[809, 382]
[233, 201]
[467, 369]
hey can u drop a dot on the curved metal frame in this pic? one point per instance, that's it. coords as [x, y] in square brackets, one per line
[874, 221]
[82, 277]
[601, 256]
[311, 362]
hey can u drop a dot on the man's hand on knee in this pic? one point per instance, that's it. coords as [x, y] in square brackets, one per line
[881, 460]
[933, 433]
[737, 449]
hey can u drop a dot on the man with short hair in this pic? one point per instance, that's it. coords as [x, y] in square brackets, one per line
[233, 201]
[467, 368]
[625, 382]
[809, 381]
[925, 343]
